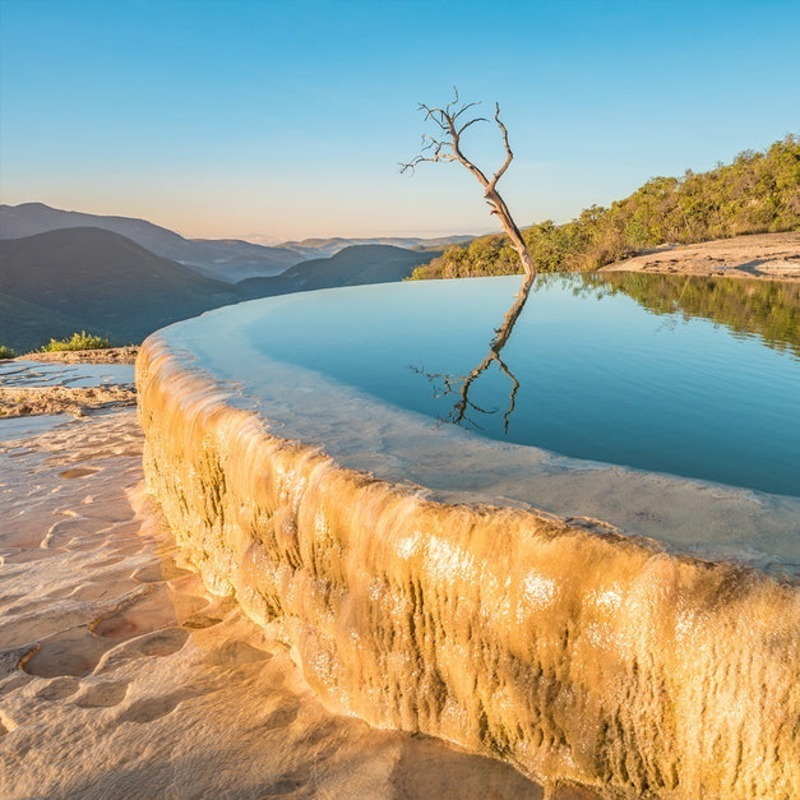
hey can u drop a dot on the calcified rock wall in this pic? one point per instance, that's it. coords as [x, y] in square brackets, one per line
[569, 653]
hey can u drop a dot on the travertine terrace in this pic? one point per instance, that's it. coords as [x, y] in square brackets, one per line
[573, 653]
[121, 677]
[771, 256]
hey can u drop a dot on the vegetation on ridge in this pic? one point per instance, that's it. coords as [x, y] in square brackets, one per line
[758, 193]
[78, 341]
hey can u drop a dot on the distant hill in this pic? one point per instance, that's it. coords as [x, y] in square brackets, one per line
[226, 260]
[26, 326]
[352, 266]
[64, 280]
[325, 248]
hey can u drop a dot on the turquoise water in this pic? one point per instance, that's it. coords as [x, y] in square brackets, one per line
[598, 375]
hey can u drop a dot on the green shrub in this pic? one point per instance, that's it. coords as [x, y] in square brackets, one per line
[6, 352]
[757, 193]
[79, 341]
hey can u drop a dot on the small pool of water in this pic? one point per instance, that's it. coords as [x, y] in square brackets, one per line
[587, 370]
[23, 373]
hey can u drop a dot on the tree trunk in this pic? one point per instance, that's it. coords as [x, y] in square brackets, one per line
[447, 119]
[500, 209]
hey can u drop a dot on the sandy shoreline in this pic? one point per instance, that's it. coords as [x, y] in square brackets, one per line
[768, 256]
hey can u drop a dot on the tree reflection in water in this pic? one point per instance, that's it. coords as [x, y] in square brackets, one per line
[446, 383]
[767, 309]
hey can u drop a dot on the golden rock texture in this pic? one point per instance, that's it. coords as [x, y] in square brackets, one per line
[575, 655]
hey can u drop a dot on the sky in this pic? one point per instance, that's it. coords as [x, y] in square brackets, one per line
[289, 119]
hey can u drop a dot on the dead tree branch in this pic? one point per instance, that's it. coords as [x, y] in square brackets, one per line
[446, 146]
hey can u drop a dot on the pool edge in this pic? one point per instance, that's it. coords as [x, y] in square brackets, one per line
[499, 629]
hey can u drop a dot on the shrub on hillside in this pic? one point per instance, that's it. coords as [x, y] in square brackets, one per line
[78, 341]
[757, 193]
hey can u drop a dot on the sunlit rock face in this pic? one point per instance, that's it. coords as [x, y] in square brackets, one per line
[571, 651]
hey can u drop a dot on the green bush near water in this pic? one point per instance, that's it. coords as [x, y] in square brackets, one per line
[6, 352]
[79, 341]
[758, 193]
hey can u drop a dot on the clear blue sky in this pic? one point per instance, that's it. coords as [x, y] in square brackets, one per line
[289, 118]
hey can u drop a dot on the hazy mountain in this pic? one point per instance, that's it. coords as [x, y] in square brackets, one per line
[325, 248]
[26, 326]
[225, 260]
[64, 280]
[352, 266]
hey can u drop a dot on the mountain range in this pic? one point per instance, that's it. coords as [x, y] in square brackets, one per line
[325, 248]
[92, 279]
[228, 260]
[354, 265]
[72, 278]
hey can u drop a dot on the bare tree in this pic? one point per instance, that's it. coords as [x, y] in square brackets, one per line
[446, 146]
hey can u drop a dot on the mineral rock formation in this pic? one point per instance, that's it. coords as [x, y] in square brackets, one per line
[574, 655]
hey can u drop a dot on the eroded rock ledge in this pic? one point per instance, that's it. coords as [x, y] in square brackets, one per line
[574, 655]
[764, 256]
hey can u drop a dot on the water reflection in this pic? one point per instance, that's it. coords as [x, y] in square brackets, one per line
[446, 384]
[645, 377]
[769, 310]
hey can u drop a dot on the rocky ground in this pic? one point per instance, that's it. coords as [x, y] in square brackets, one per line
[120, 676]
[769, 256]
[20, 401]
[106, 355]
[71, 382]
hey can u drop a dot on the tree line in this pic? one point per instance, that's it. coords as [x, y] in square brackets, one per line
[758, 192]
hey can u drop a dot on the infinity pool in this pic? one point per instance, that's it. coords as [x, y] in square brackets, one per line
[586, 372]
[667, 408]
[393, 586]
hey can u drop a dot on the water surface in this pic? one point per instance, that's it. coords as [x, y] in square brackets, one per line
[598, 375]
[24, 373]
